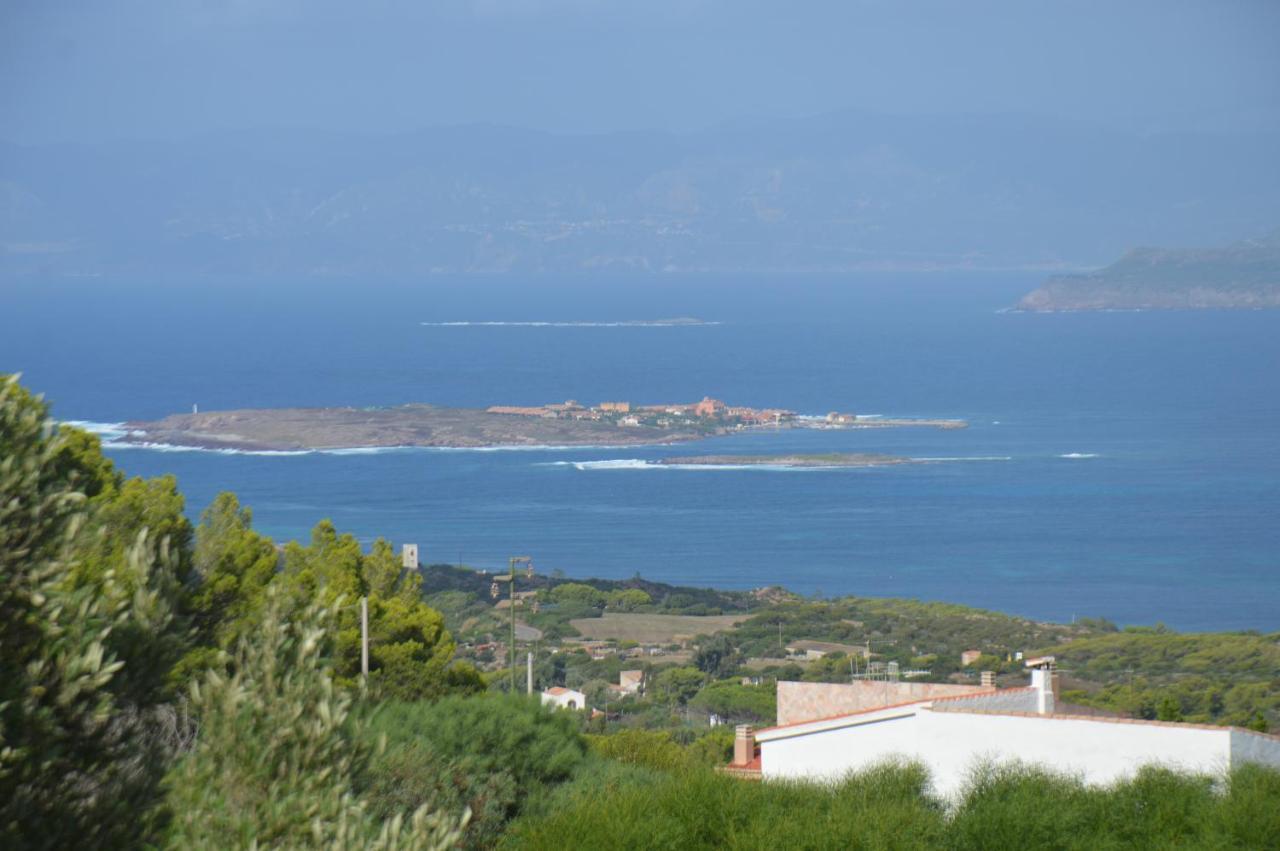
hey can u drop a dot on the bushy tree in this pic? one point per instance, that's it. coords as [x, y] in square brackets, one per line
[577, 592]
[491, 753]
[278, 751]
[738, 703]
[410, 651]
[677, 685]
[628, 600]
[717, 656]
[233, 564]
[77, 766]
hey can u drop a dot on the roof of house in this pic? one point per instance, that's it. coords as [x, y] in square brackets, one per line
[1105, 719]
[559, 690]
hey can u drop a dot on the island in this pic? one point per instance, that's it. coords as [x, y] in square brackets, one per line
[827, 460]
[569, 424]
[1244, 275]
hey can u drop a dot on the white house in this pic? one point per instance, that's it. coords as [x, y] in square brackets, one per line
[564, 698]
[952, 735]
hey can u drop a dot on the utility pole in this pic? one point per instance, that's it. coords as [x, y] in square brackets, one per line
[529, 674]
[493, 591]
[364, 638]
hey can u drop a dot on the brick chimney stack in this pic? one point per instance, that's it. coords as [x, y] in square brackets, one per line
[989, 679]
[744, 744]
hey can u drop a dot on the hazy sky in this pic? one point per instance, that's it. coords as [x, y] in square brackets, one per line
[162, 68]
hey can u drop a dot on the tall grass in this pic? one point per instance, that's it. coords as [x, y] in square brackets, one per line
[890, 807]
[694, 808]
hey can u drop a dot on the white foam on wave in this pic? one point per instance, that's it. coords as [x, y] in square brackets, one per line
[1074, 455]
[151, 446]
[639, 464]
[613, 464]
[105, 430]
[112, 440]
[633, 323]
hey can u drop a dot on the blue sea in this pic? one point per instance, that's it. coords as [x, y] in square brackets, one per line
[1124, 465]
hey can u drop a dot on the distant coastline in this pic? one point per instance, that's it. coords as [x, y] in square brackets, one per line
[567, 424]
[1242, 276]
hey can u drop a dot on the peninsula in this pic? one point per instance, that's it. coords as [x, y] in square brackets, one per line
[1245, 275]
[613, 424]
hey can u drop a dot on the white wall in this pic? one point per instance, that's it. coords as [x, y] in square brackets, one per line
[576, 698]
[1253, 747]
[952, 743]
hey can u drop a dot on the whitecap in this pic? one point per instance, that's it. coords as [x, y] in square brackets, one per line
[152, 446]
[105, 430]
[1080, 455]
[639, 464]
[632, 323]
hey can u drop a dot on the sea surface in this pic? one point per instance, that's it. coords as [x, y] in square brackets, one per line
[1124, 465]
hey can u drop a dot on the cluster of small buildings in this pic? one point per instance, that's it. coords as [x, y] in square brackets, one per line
[827, 730]
[662, 416]
[629, 683]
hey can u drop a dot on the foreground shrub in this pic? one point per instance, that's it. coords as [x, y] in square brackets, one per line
[697, 808]
[276, 753]
[648, 748]
[79, 766]
[489, 753]
[889, 807]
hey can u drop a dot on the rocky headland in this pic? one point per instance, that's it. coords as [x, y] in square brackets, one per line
[1244, 275]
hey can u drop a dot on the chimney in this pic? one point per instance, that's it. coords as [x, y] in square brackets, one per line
[744, 744]
[1044, 681]
[989, 679]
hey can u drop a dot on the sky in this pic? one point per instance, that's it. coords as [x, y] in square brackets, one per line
[147, 69]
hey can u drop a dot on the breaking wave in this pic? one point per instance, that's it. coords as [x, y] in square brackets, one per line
[1080, 455]
[632, 323]
[639, 464]
[104, 430]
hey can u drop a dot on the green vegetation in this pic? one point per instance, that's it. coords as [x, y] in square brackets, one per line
[889, 806]
[490, 754]
[176, 687]
[1215, 678]
[134, 649]
[275, 757]
[73, 720]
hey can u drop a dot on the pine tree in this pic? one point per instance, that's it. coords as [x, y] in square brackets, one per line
[278, 750]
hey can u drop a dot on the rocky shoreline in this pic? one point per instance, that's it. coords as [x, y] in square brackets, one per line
[295, 429]
[427, 426]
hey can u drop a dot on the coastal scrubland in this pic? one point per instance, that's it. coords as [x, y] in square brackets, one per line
[165, 683]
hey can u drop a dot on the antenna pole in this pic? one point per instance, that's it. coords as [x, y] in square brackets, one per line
[364, 637]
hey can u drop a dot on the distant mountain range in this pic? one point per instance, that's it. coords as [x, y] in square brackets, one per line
[1242, 275]
[829, 194]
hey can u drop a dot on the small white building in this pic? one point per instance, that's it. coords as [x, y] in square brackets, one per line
[409, 556]
[564, 698]
[630, 682]
[953, 735]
